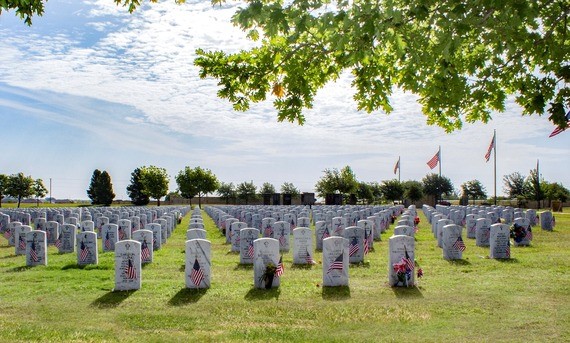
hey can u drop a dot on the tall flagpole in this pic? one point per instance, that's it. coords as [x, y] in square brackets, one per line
[537, 184]
[495, 162]
[439, 155]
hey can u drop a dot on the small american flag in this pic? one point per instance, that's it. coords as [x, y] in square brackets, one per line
[309, 258]
[434, 160]
[83, 253]
[528, 235]
[282, 239]
[250, 251]
[292, 224]
[337, 264]
[407, 260]
[397, 166]
[268, 231]
[130, 271]
[121, 234]
[8, 234]
[197, 274]
[145, 252]
[326, 233]
[21, 243]
[108, 243]
[366, 243]
[353, 248]
[58, 242]
[33, 252]
[280, 268]
[459, 244]
[508, 251]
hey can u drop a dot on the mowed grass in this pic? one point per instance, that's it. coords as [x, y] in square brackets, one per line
[475, 299]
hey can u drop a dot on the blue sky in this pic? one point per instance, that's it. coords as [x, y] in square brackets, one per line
[89, 86]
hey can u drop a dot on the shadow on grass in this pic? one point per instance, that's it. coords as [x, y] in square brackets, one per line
[336, 293]
[233, 253]
[19, 269]
[461, 262]
[112, 299]
[360, 265]
[187, 296]
[407, 292]
[9, 256]
[240, 266]
[302, 266]
[73, 266]
[507, 260]
[182, 268]
[263, 294]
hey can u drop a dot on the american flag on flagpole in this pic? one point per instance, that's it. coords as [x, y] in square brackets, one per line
[130, 271]
[459, 244]
[197, 274]
[83, 253]
[508, 251]
[33, 252]
[397, 166]
[407, 260]
[434, 161]
[145, 252]
[353, 248]
[280, 268]
[491, 146]
[558, 129]
[337, 264]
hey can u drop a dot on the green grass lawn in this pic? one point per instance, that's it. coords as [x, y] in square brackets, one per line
[476, 299]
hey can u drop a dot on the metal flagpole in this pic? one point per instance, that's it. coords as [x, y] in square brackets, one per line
[399, 168]
[439, 157]
[495, 162]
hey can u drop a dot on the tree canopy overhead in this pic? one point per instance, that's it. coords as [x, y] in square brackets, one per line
[461, 59]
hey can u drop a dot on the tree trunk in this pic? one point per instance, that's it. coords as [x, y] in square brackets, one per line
[19, 200]
[158, 202]
[199, 201]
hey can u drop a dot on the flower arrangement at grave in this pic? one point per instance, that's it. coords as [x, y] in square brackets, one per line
[404, 269]
[520, 233]
[271, 271]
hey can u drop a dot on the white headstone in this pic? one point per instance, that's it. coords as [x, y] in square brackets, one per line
[109, 236]
[355, 237]
[235, 228]
[335, 261]
[128, 265]
[36, 248]
[281, 232]
[247, 252]
[145, 238]
[87, 252]
[156, 229]
[321, 232]
[67, 239]
[124, 229]
[267, 262]
[547, 221]
[87, 225]
[452, 243]
[195, 233]
[471, 225]
[483, 232]
[401, 263]
[198, 263]
[303, 246]
[267, 227]
[499, 242]
[20, 238]
[404, 230]
[163, 230]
